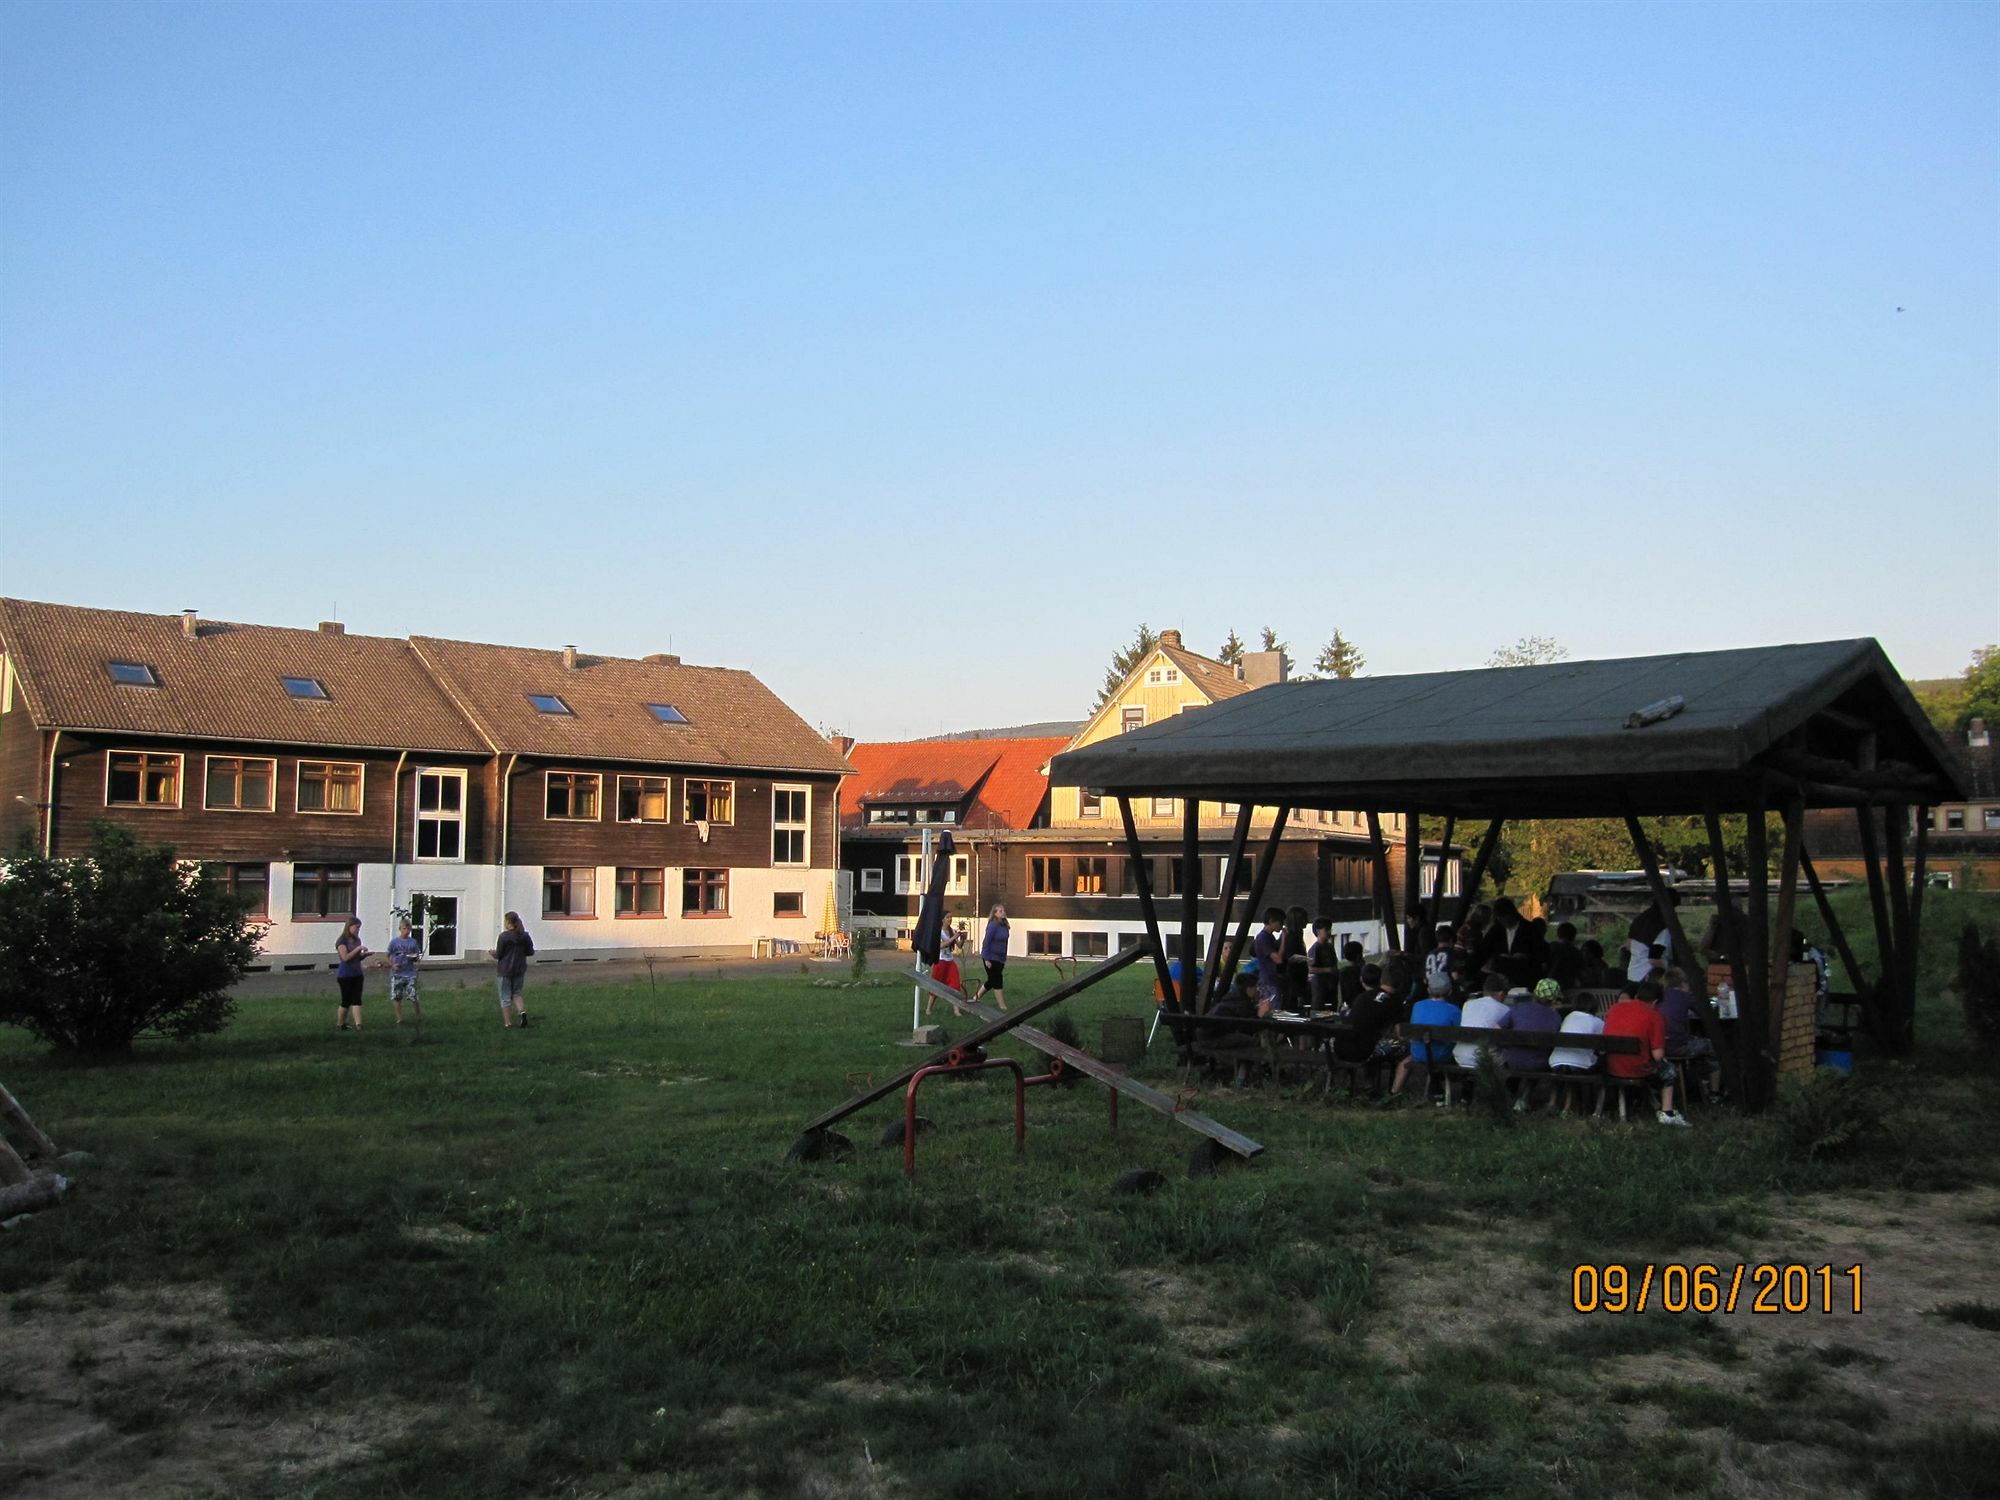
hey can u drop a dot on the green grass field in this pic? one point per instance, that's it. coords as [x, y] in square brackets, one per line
[574, 1262]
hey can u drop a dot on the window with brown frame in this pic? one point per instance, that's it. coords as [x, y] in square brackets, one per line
[1045, 875]
[1164, 807]
[1090, 804]
[322, 891]
[250, 884]
[1045, 945]
[1130, 873]
[572, 796]
[569, 891]
[643, 799]
[1091, 873]
[704, 893]
[788, 903]
[1090, 945]
[138, 778]
[329, 786]
[237, 784]
[642, 892]
[708, 801]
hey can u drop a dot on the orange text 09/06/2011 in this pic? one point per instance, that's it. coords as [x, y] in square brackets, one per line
[1701, 1287]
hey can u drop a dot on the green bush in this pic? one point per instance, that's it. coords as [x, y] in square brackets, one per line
[125, 940]
[1979, 987]
[1828, 1114]
[857, 953]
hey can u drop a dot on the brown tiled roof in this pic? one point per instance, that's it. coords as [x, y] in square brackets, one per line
[1211, 676]
[733, 719]
[223, 683]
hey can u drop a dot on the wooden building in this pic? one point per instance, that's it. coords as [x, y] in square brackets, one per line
[619, 806]
[1056, 857]
[1964, 834]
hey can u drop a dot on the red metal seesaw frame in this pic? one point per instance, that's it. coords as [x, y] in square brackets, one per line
[956, 1062]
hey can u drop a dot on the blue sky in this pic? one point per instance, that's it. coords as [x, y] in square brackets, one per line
[911, 355]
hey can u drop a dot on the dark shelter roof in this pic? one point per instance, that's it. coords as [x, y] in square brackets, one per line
[1833, 717]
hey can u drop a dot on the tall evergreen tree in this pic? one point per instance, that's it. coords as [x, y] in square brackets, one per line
[1283, 648]
[1339, 658]
[1124, 660]
[1231, 652]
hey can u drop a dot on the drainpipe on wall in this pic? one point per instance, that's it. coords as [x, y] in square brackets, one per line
[506, 802]
[395, 821]
[49, 812]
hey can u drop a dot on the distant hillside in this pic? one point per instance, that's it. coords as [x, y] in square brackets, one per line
[1052, 729]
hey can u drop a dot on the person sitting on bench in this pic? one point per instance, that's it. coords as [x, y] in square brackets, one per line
[1435, 1009]
[1637, 1013]
[1526, 1012]
[1582, 1019]
[1234, 1044]
[1482, 1011]
[1683, 1046]
[1373, 1013]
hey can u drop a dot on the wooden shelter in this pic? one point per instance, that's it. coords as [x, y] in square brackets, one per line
[1756, 731]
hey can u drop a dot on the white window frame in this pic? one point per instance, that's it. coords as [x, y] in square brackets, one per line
[1089, 804]
[1172, 805]
[910, 874]
[458, 774]
[1126, 723]
[959, 881]
[597, 807]
[801, 827]
[618, 794]
[269, 760]
[180, 780]
[360, 790]
[871, 882]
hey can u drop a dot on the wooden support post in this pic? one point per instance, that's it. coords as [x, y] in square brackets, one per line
[1754, 996]
[1225, 899]
[1437, 880]
[1735, 1075]
[1788, 900]
[1834, 930]
[1143, 876]
[1879, 1001]
[1416, 939]
[1190, 893]
[1918, 881]
[1469, 897]
[1265, 862]
[1385, 904]
[10, 1108]
[1663, 898]
[1895, 827]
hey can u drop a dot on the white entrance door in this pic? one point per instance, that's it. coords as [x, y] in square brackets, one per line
[434, 923]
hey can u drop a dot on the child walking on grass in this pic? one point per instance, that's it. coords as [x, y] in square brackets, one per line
[347, 974]
[404, 954]
[511, 954]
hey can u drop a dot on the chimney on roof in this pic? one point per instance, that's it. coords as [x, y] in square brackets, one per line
[569, 657]
[1263, 668]
[663, 659]
[1170, 637]
[191, 623]
[1976, 735]
[841, 742]
[332, 627]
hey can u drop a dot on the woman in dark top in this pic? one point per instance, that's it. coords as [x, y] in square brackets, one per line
[347, 974]
[1293, 955]
[511, 954]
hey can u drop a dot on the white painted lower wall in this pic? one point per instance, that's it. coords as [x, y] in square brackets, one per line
[484, 893]
[1371, 935]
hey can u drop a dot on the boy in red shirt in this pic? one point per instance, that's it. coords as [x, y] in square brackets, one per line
[1637, 1014]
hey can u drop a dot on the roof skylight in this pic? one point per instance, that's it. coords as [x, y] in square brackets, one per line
[549, 703]
[666, 713]
[132, 673]
[305, 687]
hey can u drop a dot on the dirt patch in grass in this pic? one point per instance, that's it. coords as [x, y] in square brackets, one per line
[1196, 1331]
[133, 1392]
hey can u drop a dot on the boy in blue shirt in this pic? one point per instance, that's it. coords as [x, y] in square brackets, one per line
[404, 953]
[1435, 1009]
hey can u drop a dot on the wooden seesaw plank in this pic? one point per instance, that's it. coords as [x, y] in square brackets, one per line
[1002, 1022]
[1090, 1067]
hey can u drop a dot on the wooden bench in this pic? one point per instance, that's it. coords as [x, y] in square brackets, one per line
[1493, 1037]
[1316, 1060]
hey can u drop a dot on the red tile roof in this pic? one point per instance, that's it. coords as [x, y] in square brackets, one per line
[1005, 778]
[222, 684]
